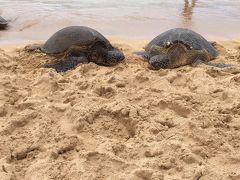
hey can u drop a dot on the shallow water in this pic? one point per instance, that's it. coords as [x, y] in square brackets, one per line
[38, 19]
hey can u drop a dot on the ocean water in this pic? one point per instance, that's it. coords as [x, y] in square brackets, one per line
[38, 19]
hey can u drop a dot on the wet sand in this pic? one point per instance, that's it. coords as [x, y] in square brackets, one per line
[38, 19]
[122, 122]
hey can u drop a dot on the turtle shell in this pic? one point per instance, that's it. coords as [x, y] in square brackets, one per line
[3, 23]
[188, 37]
[80, 36]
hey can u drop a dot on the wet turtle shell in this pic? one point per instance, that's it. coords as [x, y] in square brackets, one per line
[188, 37]
[80, 36]
[3, 23]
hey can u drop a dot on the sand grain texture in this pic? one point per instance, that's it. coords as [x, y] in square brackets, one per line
[122, 122]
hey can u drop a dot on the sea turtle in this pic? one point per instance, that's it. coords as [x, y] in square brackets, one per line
[79, 44]
[3, 23]
[178, 47]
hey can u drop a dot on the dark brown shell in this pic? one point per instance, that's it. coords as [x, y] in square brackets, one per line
[80, 36]
[186, 36]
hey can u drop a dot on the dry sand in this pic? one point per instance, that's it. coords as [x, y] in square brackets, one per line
[122, 122]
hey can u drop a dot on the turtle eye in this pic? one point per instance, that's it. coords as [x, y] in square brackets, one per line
[168, 44]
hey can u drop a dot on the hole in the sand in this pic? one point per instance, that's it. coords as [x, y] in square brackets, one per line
[110, 128]
[25, 153]
[67, 147]
[106, 123]
[167, 122]
[106, 92]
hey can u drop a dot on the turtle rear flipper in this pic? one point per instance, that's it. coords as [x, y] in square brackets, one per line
[67, 63]
[33, 47]
[218, 65]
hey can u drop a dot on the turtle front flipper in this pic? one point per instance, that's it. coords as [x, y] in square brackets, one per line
[67, 63]
[195, 57]
[202, 57]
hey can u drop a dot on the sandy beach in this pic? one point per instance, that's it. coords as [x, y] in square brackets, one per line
[121, 122]
[125, 122]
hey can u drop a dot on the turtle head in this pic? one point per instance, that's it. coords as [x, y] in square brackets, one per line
[105, 55]
[160, 61]
[158, 57]
[170, 56]
[109, 57]
[114, 56]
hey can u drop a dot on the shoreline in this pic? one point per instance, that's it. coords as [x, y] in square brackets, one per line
[122, 37]
[229, 43]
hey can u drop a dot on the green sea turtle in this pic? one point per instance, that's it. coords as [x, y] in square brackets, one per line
[79, 44]
[3, 23]
[179, 47]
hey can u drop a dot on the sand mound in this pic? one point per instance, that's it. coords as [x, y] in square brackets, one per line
[122, 122]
